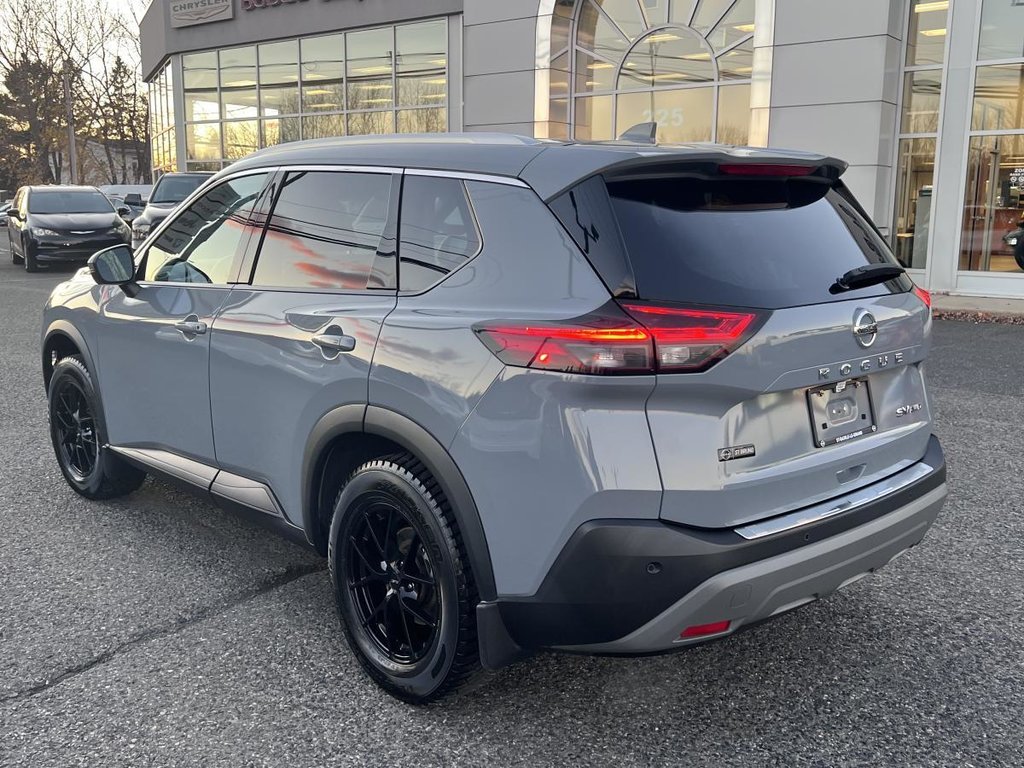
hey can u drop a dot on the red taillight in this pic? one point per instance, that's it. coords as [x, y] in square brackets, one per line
[702, 630]
[649, 339]
[763, 169]
[590, 345]
[923, 295]
[692, 339]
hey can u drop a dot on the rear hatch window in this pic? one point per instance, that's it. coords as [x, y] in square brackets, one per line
[761, 243]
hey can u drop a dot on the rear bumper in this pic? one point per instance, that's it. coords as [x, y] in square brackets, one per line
[631, 587]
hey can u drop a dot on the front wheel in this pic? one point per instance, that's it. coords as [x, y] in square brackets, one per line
[31, 265]
[403, 586]
[79, 436]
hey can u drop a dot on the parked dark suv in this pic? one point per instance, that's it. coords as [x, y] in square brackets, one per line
[521, 394]
[50, 224]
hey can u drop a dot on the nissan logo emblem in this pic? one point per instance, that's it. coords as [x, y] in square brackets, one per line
[865, 329]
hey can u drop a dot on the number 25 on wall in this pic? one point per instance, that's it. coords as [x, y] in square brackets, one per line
[665, 117]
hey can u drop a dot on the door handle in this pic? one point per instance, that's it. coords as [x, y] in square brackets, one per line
[191, 326]
[334, 342]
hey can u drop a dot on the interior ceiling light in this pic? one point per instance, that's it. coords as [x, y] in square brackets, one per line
[600, 65]
[940, 5]
[662, 37]
[933, 32]
[744, 27]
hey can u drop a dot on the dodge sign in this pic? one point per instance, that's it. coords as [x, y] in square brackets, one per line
[186, 13]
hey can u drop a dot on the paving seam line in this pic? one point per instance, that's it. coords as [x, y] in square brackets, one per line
[289, 575]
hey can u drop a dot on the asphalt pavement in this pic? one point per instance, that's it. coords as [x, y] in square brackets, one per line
[158, 630]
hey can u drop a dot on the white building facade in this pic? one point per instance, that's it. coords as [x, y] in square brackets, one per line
[923, 98]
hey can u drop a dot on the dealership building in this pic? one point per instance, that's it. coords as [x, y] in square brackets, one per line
[923, 98]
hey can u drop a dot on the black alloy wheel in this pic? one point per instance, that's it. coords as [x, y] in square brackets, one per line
[79, 435]
[402, 582]
[75, 428]
[391, 581]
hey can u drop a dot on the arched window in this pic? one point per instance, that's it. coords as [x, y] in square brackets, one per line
[685, 64]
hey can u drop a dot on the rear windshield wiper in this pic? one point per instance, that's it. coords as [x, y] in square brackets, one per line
[862, 277]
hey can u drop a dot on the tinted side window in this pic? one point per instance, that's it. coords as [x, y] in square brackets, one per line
[203, 241]
[438, 232]
[325, 231]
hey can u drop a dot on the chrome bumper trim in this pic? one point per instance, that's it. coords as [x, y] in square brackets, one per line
[818, 512]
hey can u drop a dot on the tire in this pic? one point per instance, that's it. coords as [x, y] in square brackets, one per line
[79, 436]
[388, 504]
[31, 265]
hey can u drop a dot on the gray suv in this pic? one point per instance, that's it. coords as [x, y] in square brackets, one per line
[610, 398]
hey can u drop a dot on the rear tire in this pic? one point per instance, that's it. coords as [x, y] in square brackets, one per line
[79, 436]
[404, 590]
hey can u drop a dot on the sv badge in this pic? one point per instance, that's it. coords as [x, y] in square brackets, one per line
[906, 410]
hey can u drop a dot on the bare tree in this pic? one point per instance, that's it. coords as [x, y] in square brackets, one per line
[95, 51]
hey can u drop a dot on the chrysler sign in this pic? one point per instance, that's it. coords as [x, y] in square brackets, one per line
[186, 13]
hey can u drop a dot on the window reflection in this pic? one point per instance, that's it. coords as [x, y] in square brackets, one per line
[438, 232]
[202, 243]
[325, 231]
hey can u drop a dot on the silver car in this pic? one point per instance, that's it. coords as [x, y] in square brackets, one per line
[611, 398]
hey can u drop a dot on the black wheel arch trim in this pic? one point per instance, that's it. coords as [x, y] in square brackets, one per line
[66, 328]
[381, 422]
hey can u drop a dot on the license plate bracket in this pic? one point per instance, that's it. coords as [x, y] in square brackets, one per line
[840, 412]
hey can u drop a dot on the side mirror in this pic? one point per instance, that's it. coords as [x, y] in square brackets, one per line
[12, 213]
[114, 266]
[124, 211]
[133, 198]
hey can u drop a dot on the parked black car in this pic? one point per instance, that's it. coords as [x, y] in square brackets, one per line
[170, 190]
[62, 224]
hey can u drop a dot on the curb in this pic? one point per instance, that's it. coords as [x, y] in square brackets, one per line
[978, 317]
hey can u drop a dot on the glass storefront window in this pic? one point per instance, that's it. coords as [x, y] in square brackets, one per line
[915, 175]
[993, 201]
[280, 130]
[238, 67]
[373, 81]
[241, 138]
[594, 118]
[998, 98]
[918, 131]
[734, 114]
[422, 120]
[370, 65]
[926, 36]
[682, 115]
[994, 205]
[323, 73]
[202, 142]
[199, 71]
[279, 78]
[661, 60]
[422, 63]
[1002, 30]
[323, 126]
[365, 123]
[921, 95]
